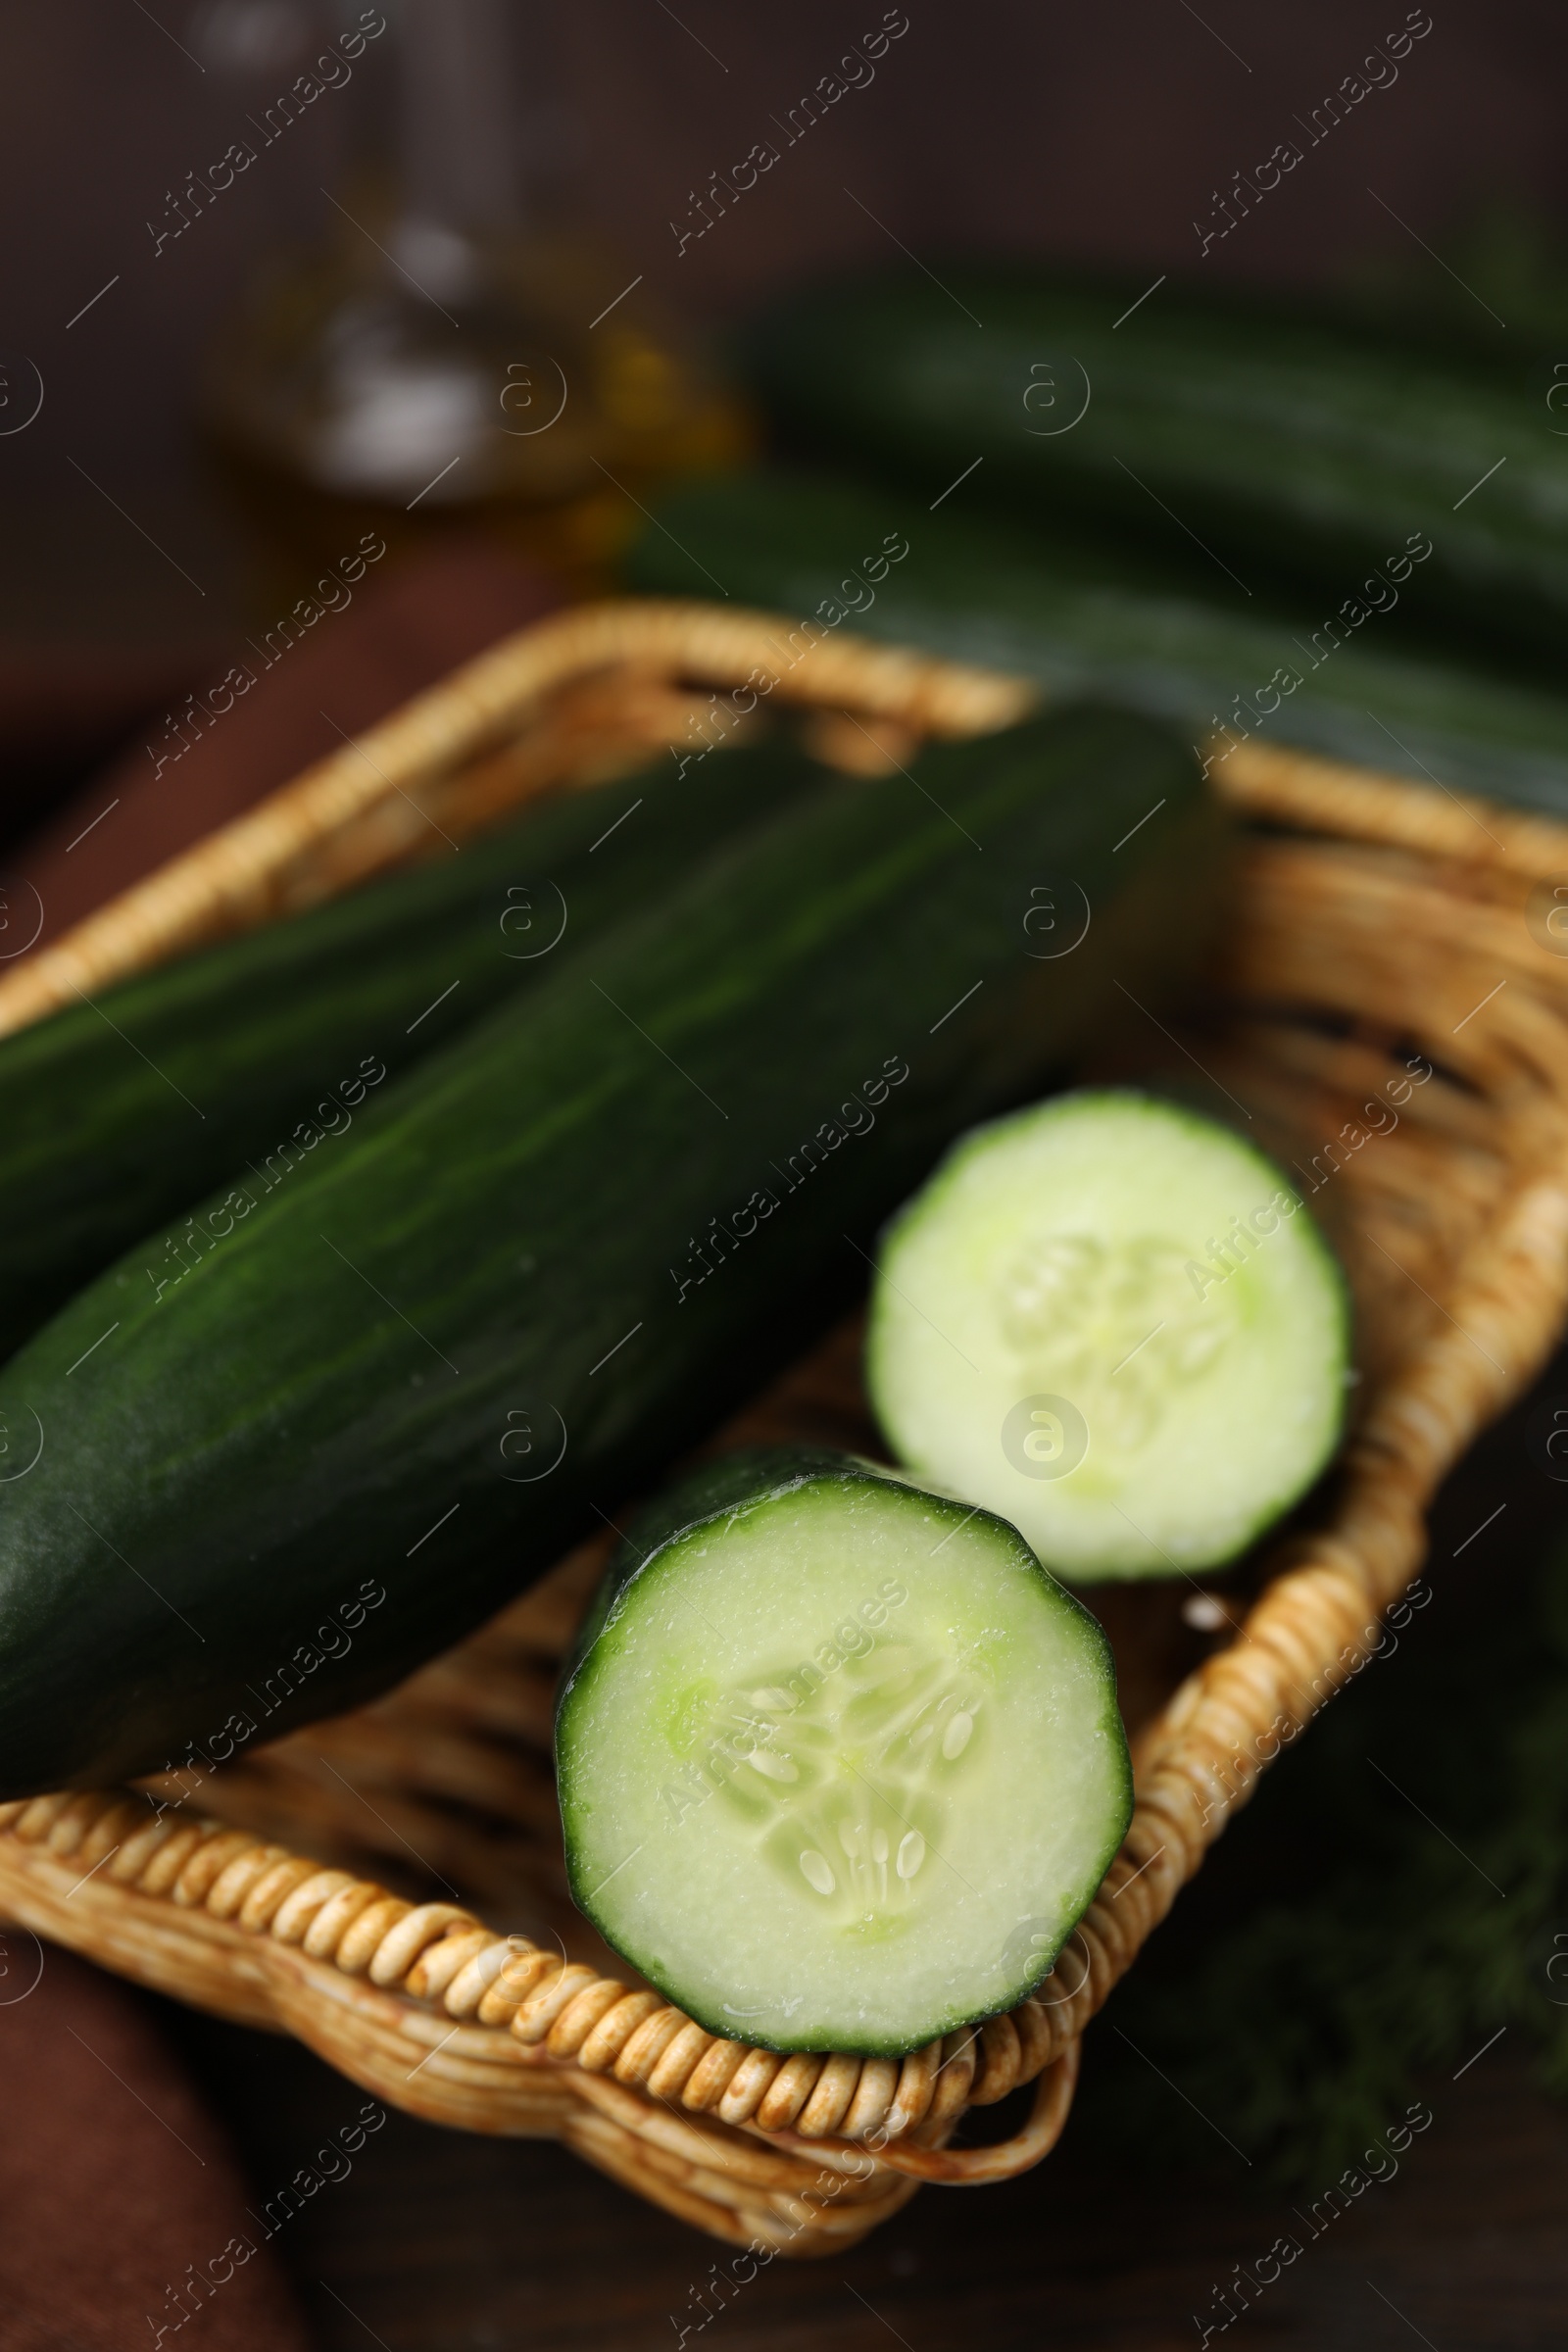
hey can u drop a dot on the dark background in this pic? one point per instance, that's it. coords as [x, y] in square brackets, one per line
[1099, 136]
[1090, 134]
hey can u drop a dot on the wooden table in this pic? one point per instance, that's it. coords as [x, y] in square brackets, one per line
[437, 2241]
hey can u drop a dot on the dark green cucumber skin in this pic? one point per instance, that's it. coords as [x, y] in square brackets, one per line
[1085, 617]
[753, 1475]
[121, 1116]
[1277, 440]
[325, 1399]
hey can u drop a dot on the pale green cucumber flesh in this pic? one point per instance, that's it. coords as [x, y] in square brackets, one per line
[843, 1767]
[1116, 1324]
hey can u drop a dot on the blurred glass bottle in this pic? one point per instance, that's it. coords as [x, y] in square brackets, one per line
[455, 354]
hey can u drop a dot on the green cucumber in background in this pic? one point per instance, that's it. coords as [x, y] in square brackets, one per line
[1081, 617]
[1255, 440]
[563, 1249]
[125, 1111]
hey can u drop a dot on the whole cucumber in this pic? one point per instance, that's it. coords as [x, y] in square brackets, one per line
[1107, 618]
[1249, 440]
[123, 1111]
[404, 1380]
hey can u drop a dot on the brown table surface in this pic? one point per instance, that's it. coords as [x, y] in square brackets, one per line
[439, 2241]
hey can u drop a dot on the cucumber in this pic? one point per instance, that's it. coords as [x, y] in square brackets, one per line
[1107, 618]
[1112, 1322]
[123, 1112]
[1237, 435]
[562, 1250]
[841, 1766]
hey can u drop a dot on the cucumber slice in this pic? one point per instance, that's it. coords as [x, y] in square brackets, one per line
[1114, 1323]
[840, 1765]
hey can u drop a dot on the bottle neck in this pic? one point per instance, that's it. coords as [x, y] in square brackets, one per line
[458, 130]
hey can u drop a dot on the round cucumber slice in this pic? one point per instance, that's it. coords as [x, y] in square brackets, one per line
[1114, 1323]
[841, 1766]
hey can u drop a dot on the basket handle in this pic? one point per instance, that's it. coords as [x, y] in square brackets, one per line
[972, 2168]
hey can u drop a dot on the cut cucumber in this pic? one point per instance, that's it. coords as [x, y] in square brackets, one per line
[840, 1765]
[1114, 1323]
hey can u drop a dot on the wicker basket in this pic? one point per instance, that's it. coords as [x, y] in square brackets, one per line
[1394, 1020]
